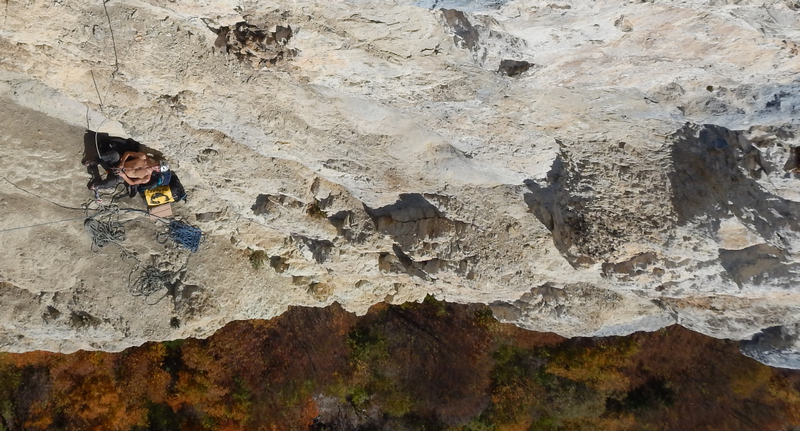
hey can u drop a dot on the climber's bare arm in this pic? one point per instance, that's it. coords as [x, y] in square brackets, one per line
[134, 181]
[134, 154]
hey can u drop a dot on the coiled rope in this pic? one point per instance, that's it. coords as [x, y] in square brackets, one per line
[185, 234]
[102, 224]
[104, 233]
[150, 281]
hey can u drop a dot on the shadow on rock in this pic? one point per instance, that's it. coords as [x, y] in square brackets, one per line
[715, 178]
[777, 346]
[553, 205]
[709, 182]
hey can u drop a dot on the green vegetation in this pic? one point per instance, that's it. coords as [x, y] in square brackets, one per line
[426, 366]
[314, 210]
[258, 258]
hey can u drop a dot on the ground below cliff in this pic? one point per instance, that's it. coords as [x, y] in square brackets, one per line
[427, 366]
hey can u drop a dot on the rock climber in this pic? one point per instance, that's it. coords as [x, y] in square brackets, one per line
[134, 168]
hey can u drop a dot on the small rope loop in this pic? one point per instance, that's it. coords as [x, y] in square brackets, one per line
[150, 281]
[104, 233]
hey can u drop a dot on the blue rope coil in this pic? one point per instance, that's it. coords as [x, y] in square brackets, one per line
[185, 235]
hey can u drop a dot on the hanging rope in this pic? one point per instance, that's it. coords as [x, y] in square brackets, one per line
[40, 224]
[39, 197]
[85, 208]
[113, 77]
[104, 227]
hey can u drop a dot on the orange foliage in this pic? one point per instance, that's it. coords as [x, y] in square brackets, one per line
[598, 365]
[715, 386]
[201, 384]
[98, 391]
[419, 366]
[784, 387]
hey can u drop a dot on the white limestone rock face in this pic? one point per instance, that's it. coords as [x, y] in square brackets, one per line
[776, 347]
[587, 168]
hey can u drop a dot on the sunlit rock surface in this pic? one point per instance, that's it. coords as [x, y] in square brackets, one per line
[584, 168]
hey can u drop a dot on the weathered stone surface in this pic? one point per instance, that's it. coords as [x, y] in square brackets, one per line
[641, 171]
[777, 347]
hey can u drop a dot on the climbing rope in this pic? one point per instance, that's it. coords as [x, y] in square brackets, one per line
[104, 233]
[42, 198]
[184, 234]
[102, 224]
[113, 77]
[86, 208]
[40, 224]
[150, 281]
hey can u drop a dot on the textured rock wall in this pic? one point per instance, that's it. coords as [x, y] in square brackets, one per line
[585, 168]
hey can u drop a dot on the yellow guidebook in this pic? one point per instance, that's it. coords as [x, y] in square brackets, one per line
[158, 196]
